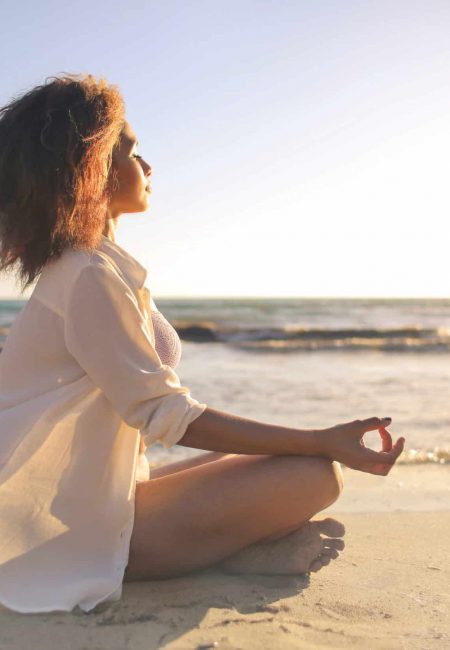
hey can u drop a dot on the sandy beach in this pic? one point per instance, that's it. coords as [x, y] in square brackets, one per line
[389, 588]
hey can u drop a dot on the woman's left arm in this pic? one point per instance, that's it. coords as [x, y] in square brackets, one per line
[219, 431]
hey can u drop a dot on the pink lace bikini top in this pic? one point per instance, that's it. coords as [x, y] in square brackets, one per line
[167, 341]
[168, 347]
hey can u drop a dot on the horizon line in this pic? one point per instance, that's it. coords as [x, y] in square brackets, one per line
[270, 297]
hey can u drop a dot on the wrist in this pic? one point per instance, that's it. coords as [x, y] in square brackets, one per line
[320, 441]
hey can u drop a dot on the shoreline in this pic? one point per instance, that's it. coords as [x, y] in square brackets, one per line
[424, 487]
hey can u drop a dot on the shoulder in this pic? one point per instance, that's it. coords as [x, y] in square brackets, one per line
[59, 276]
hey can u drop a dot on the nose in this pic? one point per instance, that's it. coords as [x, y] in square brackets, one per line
[146, 167]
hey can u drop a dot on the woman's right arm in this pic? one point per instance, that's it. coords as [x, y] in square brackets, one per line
[219, 431]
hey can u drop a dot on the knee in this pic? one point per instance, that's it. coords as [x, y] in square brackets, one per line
[322, 473]
[329, 475]
[334, 479]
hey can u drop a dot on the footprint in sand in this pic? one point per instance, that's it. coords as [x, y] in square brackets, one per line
[307, 549]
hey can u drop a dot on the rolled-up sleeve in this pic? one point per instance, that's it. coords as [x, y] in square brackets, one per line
[107, 334]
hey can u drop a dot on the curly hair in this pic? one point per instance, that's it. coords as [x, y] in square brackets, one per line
[56, 172]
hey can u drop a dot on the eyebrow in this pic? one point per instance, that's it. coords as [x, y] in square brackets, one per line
[131, 141]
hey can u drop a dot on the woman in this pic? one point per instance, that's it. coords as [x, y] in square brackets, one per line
[87, 381]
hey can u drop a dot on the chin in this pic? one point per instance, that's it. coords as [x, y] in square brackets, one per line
[136, 202]
[141, 206]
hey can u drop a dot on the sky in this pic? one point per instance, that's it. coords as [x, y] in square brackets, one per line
[299, 148]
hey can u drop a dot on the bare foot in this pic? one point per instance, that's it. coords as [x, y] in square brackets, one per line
[313, 545]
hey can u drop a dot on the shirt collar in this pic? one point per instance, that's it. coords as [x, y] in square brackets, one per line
[129, 266]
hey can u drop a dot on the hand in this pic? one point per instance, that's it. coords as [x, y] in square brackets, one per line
[345, 443]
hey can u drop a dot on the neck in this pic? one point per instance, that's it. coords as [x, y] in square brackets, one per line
[110, 227]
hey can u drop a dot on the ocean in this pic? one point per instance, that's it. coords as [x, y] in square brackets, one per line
[312, 363]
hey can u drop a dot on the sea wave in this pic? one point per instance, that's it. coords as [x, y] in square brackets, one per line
[304, 339]
[437, 456]
[293, 338]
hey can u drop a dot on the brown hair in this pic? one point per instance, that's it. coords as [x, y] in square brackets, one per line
[56, 175]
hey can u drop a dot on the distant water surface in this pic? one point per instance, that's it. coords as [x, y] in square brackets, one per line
[315, 362]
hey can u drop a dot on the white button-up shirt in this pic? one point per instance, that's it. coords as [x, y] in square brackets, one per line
[80, 380]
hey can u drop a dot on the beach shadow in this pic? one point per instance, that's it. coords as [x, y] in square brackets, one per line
[153, 614]
[175, 606]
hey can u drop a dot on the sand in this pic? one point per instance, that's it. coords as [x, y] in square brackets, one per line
[389, 588]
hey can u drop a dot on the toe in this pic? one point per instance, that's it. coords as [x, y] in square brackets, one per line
[330, 552]
[334, 542]
[315, 566]
[325, 559]
[331, 527]
[319, 562]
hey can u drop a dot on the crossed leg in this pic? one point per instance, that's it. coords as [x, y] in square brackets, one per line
[216, 508]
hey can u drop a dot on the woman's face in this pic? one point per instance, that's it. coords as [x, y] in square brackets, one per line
[133, 176]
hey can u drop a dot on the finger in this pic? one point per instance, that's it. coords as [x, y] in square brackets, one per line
[386, 439]
[391, 456]
[383, 470]
[370, 424]
[399, 446]
[384, 457]
[380, 469]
